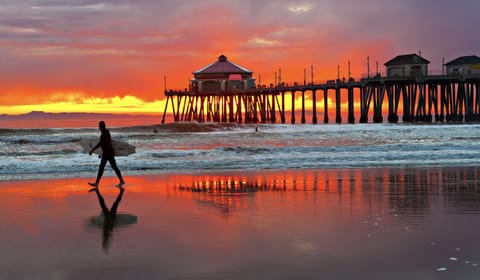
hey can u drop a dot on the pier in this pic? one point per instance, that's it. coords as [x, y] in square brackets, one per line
[433, 98]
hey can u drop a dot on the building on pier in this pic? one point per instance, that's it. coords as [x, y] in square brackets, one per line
[222, 76]
[464, 65]
[213, 96]
[408, 65]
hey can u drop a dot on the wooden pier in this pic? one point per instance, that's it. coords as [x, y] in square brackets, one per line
[454, 98]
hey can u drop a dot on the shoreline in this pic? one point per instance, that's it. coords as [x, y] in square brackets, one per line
[109, 174]
[110, 178]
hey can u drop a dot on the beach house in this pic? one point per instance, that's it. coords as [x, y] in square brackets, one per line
[464, 65]
[408, 65]
[222, 76]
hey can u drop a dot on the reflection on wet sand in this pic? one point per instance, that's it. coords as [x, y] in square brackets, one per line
[110, 219]
[232, 187]
[408, 192]
[405, 223]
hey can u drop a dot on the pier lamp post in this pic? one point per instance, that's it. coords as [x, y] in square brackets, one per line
[443, 66]
[304, 76]
[165, 83]
[311, 72]
[280, 76]
[349, 71]
[368, 66]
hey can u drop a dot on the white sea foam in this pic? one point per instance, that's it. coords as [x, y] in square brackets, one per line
[192, 146]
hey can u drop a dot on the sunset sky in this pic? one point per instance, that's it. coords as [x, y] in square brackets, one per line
[112, 55]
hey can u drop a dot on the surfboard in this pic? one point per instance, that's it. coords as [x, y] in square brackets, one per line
[120, 148]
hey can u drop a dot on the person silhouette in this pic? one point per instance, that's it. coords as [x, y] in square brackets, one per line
[109, 215]
[108, 154]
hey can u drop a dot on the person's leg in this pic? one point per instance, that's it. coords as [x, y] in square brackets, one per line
[114, 166]
[103, 162]
[101, 168]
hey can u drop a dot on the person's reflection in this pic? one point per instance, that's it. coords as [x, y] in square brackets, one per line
[109, 217]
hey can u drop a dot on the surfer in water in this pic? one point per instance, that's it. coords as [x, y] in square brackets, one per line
[107, 155]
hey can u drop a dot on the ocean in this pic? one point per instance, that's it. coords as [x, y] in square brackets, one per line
[196, 147]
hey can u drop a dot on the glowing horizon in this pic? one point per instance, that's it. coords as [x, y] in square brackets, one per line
[112, 105]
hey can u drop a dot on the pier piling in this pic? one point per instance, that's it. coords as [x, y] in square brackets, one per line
[450, 98]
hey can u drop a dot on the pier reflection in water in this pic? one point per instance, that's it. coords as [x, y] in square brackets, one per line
[376, 222]
[409, 192]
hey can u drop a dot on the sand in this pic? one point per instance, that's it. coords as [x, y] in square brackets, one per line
[277, 224]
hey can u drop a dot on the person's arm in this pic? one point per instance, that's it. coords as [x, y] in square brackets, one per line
[96, 146]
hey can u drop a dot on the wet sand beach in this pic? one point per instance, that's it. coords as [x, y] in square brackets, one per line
[377, 223]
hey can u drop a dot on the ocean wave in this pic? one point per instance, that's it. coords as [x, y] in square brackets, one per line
[49, 141]
[4, 131]
[36, 140]
[22, 131]
[44, 136]
[186, 127]
[40, 153]
[178, 153]
[247, 150]
[211, 146]
[142, 133]
[40, 131]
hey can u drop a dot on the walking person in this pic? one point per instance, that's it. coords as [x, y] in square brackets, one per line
[108, 154]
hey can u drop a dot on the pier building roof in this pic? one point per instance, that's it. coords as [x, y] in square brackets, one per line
[223, 66]
[406, 59]
[463, 60]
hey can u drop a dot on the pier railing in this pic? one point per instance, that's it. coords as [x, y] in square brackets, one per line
[451, 98]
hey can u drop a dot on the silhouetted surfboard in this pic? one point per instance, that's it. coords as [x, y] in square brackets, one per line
[120, 148]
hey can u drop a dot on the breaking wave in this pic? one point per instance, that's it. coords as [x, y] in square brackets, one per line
[40, 153]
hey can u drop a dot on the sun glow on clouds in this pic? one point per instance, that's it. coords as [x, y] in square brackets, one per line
[262, 42]
[68, 51]
[73, 7]
[18, 30]
[300, 8]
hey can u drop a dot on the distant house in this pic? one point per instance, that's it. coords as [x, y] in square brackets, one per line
[464, 65]
[220, 76]
[408, 65]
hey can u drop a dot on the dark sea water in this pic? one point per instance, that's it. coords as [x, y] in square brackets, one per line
[190, 147]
